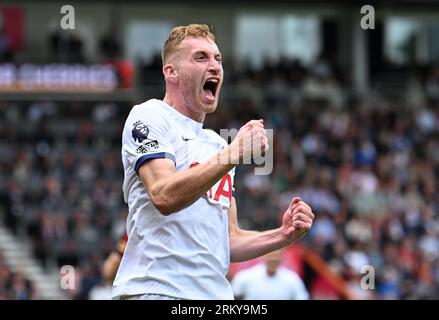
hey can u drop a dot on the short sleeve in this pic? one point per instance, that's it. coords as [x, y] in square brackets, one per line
[147, 135]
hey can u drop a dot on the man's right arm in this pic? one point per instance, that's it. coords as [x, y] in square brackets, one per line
[170, 191]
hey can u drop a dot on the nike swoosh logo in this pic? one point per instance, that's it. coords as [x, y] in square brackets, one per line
[187, 139]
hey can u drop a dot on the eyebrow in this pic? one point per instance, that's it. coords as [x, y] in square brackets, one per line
[216, 55]
[200, 52]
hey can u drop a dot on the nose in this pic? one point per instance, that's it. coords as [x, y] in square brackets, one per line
[215, 66]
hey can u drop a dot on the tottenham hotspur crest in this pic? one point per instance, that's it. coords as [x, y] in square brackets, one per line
[140, 131]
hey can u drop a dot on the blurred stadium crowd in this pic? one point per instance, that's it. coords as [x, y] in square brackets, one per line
[369, 167]
[15, 286]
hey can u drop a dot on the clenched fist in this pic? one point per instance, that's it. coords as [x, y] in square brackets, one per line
[297, 220]
[251, 142]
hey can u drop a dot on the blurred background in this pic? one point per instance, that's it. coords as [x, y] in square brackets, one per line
[355, 115]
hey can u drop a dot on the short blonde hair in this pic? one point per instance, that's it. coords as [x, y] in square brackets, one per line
[178, 34]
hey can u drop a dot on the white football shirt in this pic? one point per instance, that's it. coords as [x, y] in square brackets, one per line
[255, 284]
[186, 254]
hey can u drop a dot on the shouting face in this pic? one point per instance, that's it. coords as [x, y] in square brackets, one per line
[200, 74]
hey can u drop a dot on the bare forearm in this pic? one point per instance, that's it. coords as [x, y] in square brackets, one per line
[178, 191]
[110, 267]
[246, 245]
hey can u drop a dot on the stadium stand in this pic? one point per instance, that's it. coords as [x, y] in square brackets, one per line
[367, 164]
[369, 168]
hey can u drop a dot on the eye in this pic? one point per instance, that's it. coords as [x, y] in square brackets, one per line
[200, 57]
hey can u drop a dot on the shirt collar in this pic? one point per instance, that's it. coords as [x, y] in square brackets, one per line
[192, 127]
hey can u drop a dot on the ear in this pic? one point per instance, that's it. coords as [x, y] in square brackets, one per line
[170, 72]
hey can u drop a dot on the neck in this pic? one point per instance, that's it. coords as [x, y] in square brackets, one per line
[183, 108]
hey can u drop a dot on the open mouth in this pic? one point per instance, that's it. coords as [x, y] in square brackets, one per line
[210, 87]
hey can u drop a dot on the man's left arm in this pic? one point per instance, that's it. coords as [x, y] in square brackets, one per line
[246, 245]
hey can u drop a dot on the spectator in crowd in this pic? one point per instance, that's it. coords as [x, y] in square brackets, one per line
[269, 281]
[15, 285]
